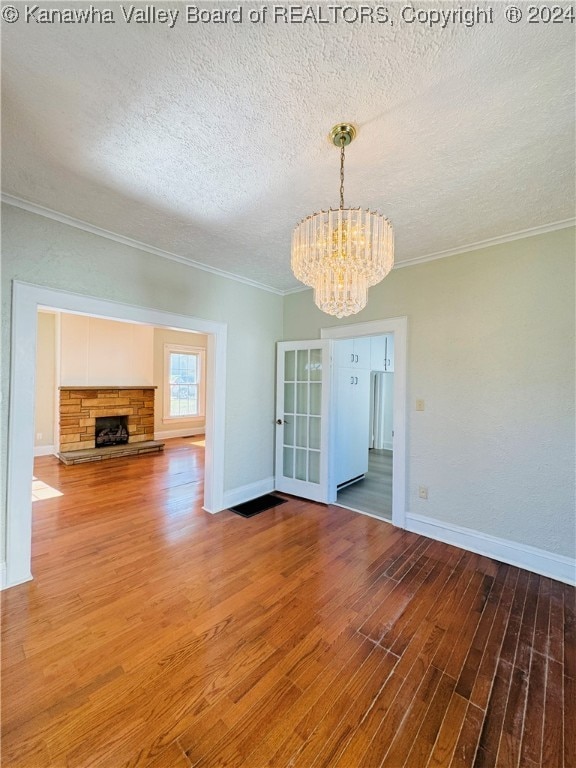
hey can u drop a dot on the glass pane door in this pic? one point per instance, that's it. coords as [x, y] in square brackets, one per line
[301, 437]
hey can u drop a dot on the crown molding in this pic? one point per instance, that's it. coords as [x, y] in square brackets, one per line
[542, 230]
[297, 289]
[48, 213]
[41, 210]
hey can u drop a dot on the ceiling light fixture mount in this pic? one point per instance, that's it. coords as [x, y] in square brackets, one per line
[342, 134]
[341, 252]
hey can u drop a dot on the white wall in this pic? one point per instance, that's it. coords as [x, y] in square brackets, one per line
[45, 381]
[45, 252]
[491, 352]
[97, 352]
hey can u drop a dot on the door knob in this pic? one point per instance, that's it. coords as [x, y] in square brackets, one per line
[278, 421]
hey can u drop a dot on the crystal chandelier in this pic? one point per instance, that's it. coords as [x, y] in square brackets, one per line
[341, 253]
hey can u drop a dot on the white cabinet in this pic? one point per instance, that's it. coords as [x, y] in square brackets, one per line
[353, 423]
[343, 353]
[353, 353]
[382, 353]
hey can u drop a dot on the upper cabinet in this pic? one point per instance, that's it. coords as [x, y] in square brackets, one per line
[353, 353]
[382, 353]
[371, 353]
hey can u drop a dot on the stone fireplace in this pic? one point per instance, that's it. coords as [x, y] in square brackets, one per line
[130, 407]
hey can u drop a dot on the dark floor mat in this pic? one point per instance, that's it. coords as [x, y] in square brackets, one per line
[253, 507]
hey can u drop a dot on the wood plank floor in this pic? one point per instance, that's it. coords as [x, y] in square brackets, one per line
[373, 493]
[155, 634]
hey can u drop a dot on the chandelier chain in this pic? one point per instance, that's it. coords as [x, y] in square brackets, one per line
[342, 173]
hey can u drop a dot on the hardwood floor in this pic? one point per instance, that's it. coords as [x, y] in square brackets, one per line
[155, 634]
[373, 493]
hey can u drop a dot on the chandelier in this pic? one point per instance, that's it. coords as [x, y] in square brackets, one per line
[341, 253]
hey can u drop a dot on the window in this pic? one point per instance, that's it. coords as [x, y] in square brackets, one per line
[183, 382]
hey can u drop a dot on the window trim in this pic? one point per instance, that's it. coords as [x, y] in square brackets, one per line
[186, 350]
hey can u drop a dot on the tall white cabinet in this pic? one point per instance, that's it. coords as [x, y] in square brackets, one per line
[353, 403]
[364, 391]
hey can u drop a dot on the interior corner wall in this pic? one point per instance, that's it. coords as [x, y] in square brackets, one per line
[45, 380]
[163, 428]
[491, 348]
[45, 252]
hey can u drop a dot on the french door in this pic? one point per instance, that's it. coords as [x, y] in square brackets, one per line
[302, 418]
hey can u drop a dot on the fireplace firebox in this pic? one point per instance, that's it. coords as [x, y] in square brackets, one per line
[111, 430]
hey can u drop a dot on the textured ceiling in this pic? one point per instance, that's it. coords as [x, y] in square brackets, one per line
[209, 141]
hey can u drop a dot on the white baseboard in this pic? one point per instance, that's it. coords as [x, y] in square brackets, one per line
[45, 450]
[540, 561]
[190, 431]
[248, 492]
[362, 512]
[22, 578]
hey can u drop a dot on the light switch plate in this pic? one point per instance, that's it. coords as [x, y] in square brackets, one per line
[419, 405]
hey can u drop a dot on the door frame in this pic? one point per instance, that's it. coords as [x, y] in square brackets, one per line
[399, 327]
[26, 300]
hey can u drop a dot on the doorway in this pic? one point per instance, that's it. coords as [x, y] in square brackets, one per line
[364, 426]
[379, 472]
[26, 300]
[76, 351]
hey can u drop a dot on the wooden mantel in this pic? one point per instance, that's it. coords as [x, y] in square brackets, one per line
[110, 389]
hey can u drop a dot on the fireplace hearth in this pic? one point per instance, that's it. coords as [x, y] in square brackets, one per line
[111, 430]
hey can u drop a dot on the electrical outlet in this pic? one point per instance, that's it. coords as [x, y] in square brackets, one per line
[423, 492]
[419, 405]
[38, 435]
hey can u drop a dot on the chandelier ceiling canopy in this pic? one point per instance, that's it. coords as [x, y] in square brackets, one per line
[341, 252]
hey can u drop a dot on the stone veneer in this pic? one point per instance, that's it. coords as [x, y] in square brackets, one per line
[79, 407]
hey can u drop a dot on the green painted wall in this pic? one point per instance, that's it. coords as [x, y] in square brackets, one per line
[491, 352]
